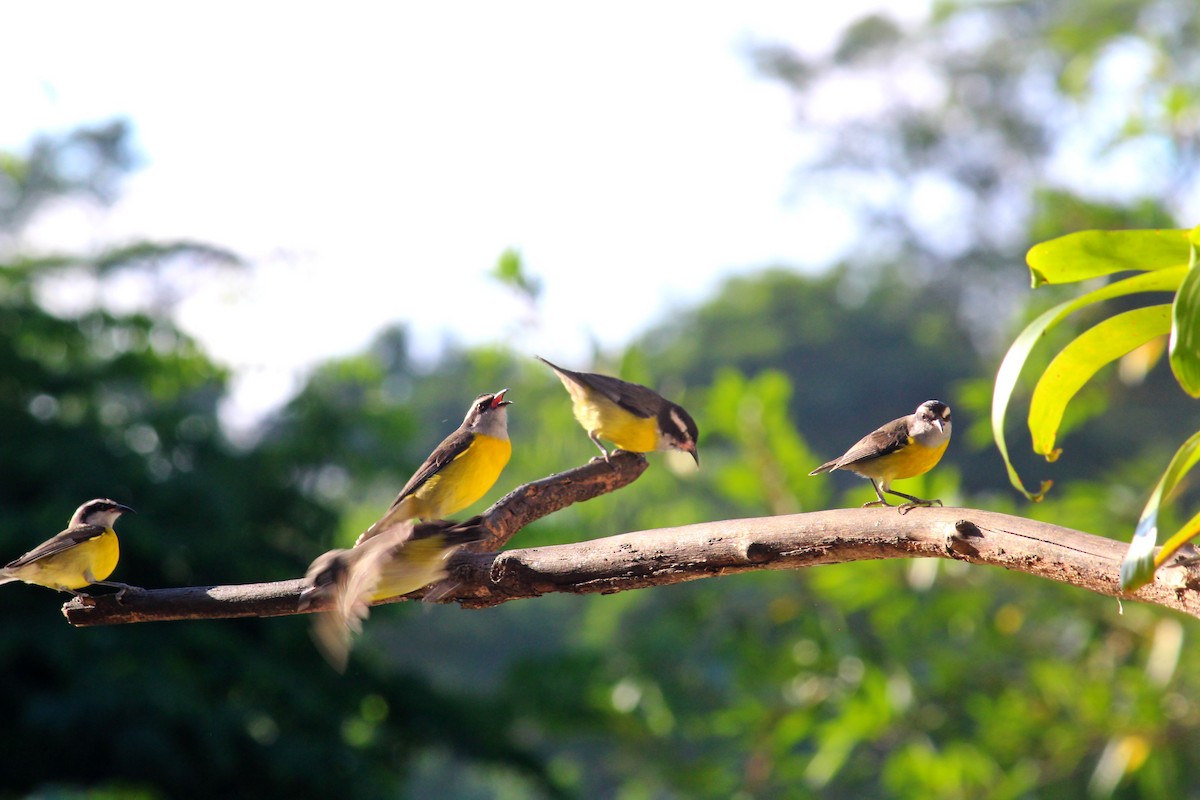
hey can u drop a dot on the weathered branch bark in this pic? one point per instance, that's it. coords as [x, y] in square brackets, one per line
[673, 555]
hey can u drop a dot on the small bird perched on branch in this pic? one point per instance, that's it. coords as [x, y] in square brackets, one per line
[903, 448]
[629, 415]
[399, 559]
[83, 555]
[459, 471]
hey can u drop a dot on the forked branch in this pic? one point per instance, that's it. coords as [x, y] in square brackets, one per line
[673, 555]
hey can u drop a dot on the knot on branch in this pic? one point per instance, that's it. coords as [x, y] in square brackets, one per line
[959, 542]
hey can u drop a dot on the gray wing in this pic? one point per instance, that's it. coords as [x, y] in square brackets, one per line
[451, 448]
[56, 544]
[373, 555]
[633, 397]
[345, 579]
[879, 442]
[350, 577]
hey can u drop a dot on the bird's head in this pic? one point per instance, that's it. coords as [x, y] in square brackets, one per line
[99, 512]
[488, 415]
[678, 430]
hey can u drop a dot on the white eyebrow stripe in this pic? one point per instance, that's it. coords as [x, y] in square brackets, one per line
[679, 426]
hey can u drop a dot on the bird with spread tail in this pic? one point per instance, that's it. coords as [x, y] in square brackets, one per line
[399, 559]
[459, 471]
[903, 448]
[629, 415]
[84, 554]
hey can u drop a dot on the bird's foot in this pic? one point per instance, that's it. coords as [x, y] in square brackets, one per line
[904, 508]
[607, 457]
[128, 589]
[122, 589]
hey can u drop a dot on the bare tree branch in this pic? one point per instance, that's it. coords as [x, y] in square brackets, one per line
[673, 555]
[518, 508]
[532, 501]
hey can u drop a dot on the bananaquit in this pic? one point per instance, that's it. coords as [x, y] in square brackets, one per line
[629, 415]
[399, 559]
[903, 448]
[460, 470]
[84, 554]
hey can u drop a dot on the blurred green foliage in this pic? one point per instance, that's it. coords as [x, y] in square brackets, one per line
[922, 679]
[124, 405]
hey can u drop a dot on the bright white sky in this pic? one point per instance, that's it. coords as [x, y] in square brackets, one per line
[373, 160]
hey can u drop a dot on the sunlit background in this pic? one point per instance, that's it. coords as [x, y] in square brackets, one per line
[372, 163]
[255, 259]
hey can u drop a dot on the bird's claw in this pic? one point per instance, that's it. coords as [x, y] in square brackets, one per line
[120, 595]
[904, 508]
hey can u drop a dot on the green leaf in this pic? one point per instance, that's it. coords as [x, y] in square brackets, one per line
[1075, 365]
[510, 271]
[1090, 254]
[1186, 533]
[508, 267]
[1166, 280]
[1138, 567]
[1185, 333]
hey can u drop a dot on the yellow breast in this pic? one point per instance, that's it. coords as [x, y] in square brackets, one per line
[418, 564]
[461, 482]
[913, 460]
[609, 421]
[76, 567]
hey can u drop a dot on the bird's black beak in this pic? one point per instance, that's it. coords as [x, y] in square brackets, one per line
[498, 400]
[124, 509]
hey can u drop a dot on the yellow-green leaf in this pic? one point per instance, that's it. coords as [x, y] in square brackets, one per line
[1075, 365]
[1185, 333]
[1166, 280]
[1185, 534]
[1090, 254]
[1138, 567]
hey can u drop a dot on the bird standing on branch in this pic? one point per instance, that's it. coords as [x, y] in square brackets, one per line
[83, 555]
[459, 471]
[903, 448]
[629, 415]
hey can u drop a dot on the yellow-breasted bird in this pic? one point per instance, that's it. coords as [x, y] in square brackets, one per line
[903, 448]
[399, 559]
[84, 554]
[460, 470]
[629, 415]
